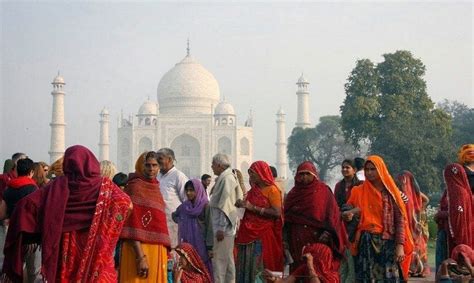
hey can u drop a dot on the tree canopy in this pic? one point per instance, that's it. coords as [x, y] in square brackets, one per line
[324, 145]
[462, 121]
[387, 106]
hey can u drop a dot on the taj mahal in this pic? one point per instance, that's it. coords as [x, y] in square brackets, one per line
[189, 117]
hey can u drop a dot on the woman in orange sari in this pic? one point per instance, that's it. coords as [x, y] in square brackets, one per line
[259, 239]
[383, 243]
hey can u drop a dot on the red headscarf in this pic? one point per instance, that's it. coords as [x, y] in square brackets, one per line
[459, 196]
[464, 250]
[198, 272]
[66, 204]
[314, 205]
[263, 170]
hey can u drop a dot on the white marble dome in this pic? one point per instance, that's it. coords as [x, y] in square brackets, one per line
[148, 108]
[224, 108]
[188, 88]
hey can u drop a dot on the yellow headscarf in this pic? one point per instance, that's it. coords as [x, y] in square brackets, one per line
[466, 154]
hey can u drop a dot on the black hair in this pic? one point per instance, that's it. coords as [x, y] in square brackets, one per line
[24, 167]
[350, 162]
[120, 179]
[274, 171]
[359, 163]
[205, 176]
[151, 154]
[189, 184]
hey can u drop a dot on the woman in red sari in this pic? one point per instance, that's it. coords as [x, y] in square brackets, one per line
[416, 216]
[259, 239]
[312, 216]
[191, 268]
[76, 218]
[460, 207]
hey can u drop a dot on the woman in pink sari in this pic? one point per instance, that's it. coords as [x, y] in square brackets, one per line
[76, 218]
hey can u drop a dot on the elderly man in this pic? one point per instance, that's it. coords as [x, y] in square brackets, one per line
[224, 215]
[172, 188]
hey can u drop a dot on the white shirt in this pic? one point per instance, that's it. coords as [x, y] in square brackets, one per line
[360, 175]
[172, 188]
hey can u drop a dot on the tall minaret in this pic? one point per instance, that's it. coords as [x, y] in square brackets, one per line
[303, 103]
[104, 144]
[58, 126]
[281, 159]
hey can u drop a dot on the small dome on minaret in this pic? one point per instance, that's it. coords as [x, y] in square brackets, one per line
[302, 80]
[58, 80]
[104, 111]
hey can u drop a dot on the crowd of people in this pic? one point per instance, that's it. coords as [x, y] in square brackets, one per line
[78, 220]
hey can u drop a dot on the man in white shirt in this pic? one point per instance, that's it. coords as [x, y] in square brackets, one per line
[224, 216]
[172, 188]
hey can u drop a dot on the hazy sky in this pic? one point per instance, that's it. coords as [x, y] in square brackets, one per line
[114, 54]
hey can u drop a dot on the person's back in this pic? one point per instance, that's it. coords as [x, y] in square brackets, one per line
[21, 186]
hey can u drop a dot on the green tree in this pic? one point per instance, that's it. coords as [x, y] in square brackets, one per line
[462, 121]
[324, 145]
[387, 106]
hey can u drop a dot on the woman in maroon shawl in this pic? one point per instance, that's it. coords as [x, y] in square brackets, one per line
[312, 216]
[76, 218]
[259, 239]
[460, 207]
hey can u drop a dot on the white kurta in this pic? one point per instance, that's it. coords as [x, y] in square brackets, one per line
[172, 188]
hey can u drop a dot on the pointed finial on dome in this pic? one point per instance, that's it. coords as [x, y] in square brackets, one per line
[187, 49]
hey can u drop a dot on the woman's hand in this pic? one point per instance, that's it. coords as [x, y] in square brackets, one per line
[399, 253]
[142, 267]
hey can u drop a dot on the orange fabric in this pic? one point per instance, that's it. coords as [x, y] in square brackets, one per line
[369, 200]
[466, 154]
[273, 194]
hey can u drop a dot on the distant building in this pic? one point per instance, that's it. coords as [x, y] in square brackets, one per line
[189, 118]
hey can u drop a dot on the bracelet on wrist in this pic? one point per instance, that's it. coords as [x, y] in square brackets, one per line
[262, 210]
[140, 258]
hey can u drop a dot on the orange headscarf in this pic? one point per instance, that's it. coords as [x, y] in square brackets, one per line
[363, 196]
[466, 154]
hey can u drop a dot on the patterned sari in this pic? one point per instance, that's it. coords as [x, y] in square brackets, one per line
[76, 218]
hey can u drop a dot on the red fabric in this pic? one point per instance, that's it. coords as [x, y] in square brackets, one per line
[88, 253]
[66, 204]
[459, 196]
[197, 273]
[309, 209]
[441, 217]
[147, 222]
[264, 171]
[256, 227]
[20, 182]
[323, 264]
[4, 179]
[463, 250]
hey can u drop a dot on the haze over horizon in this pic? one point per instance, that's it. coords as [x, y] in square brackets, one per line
[114, 54]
